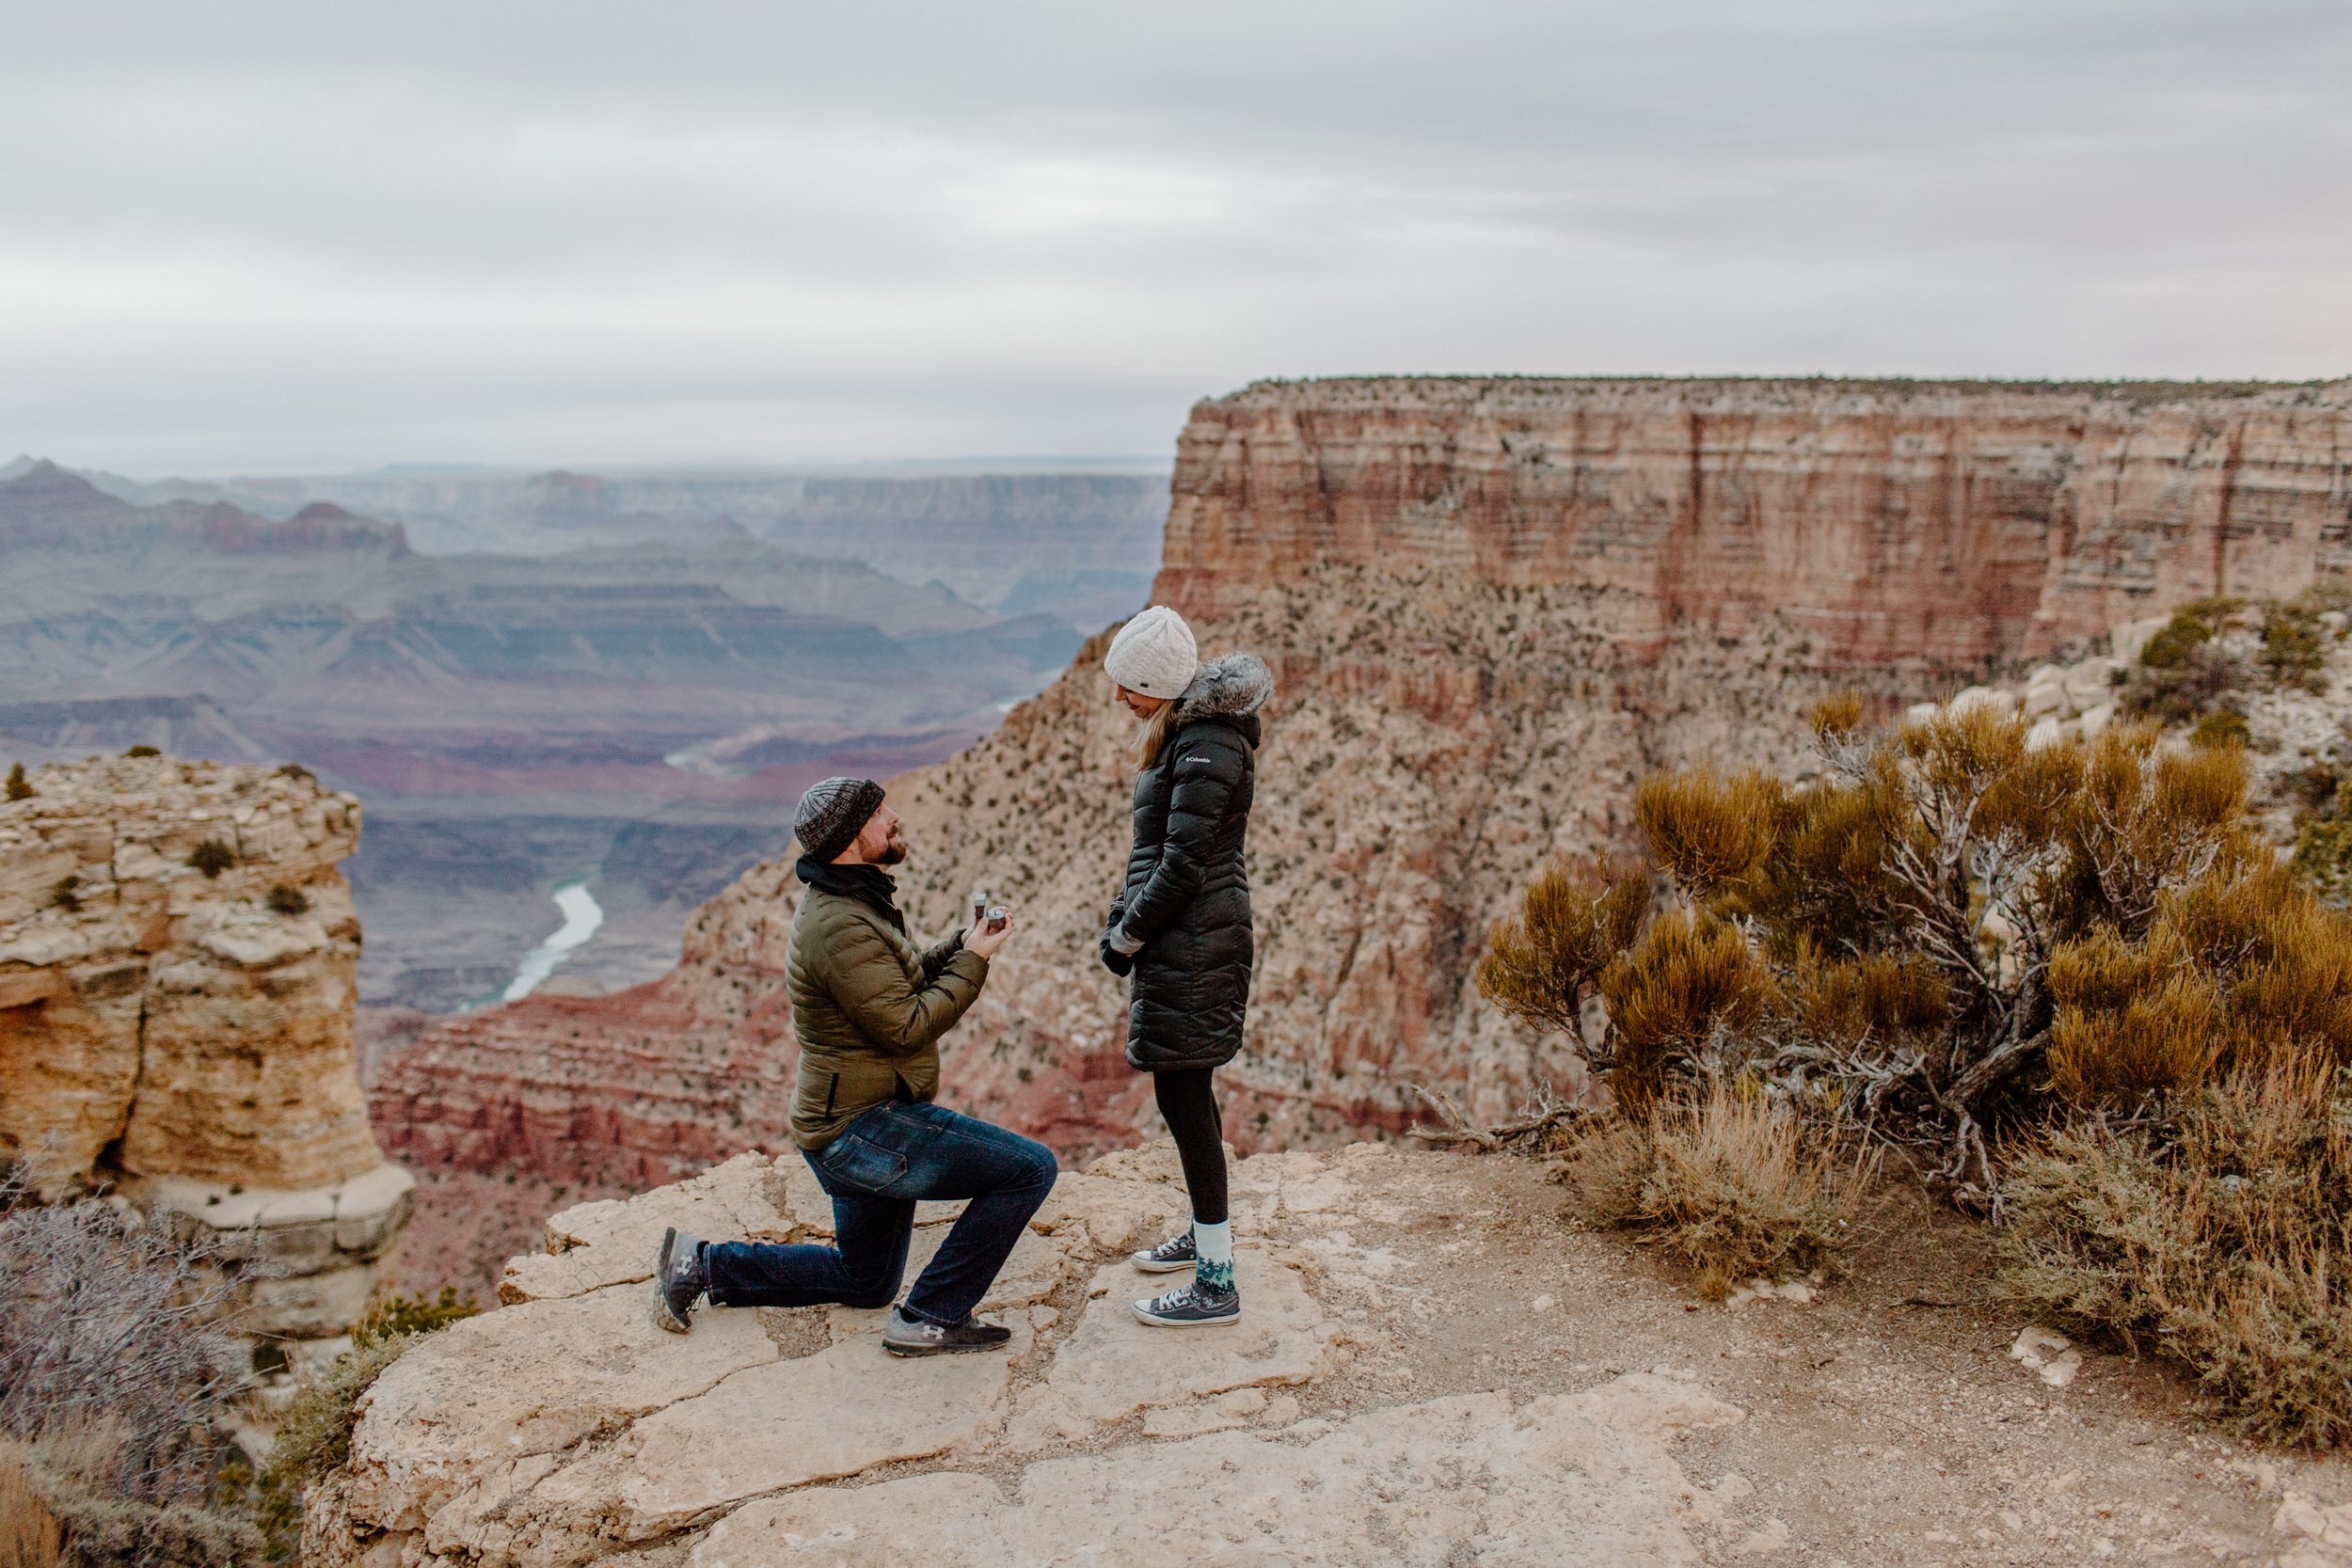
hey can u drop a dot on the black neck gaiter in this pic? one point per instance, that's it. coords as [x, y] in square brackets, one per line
[866, 882]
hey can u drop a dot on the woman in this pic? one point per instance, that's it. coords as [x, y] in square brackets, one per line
[1181, 923]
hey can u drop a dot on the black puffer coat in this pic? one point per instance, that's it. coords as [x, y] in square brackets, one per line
[1187, 896]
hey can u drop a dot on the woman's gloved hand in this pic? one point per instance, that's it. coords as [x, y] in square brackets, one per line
[1113, 959]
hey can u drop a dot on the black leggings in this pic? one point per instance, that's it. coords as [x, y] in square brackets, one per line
[1189, 1103]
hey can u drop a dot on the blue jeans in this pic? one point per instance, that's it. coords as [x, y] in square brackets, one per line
[875, 1170]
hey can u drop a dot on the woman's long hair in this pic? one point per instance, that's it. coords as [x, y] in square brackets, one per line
[1153, 739]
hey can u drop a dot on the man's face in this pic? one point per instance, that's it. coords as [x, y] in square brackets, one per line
[878, 843]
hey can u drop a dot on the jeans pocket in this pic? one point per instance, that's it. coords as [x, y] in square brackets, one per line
[867, 1167]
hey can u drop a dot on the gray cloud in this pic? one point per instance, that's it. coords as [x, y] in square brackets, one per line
[282, 236]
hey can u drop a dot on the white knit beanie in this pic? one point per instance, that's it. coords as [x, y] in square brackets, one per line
[1154, 653]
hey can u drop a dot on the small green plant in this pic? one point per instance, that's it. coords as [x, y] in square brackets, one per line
[18, 788]
[392, 1316]
[2322, 849]
[287, 901]
[212, 857]
[2222, 727]
[142, 752]
[295, 771]
[2186, 670]
[2293, 650]
[62, 893]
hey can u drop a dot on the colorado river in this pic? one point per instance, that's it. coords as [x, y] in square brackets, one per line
[582, 916]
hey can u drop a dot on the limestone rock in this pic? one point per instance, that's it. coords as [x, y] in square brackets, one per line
[1568, 1481]
[177, 958]
[1113, 1365]
[176, 1012]
[566, 1431]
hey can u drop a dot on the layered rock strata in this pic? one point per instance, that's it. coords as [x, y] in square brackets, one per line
[1890, 520]
[1491, 607]
[176, 951]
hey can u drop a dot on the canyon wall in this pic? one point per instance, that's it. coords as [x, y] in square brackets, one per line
[177, 958]
[1895, 520]
[1490, 608]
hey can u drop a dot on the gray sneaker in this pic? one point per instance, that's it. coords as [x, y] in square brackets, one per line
[1173, 1254]
[1193, 1305]
[905, 1336]
[678, 1280]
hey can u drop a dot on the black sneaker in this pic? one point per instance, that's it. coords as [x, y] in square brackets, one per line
[677, 1279]
[1193, 1305]
[1173, 1254]
[905, 1336]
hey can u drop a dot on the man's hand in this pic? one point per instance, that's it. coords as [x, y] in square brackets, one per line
[984, 941]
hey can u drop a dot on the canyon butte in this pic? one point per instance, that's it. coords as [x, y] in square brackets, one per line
[1491, 607]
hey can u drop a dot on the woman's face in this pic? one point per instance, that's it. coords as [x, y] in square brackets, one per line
[1139, 705]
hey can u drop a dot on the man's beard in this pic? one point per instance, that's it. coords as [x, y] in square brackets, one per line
[892, 852]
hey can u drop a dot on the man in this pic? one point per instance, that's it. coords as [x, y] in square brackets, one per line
[869, 1009]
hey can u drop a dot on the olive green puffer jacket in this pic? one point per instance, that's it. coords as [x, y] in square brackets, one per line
[869, 1009]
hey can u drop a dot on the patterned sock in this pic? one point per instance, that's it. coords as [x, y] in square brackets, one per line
[1215, 1243]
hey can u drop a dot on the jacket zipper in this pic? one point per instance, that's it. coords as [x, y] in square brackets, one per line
[831, 1089]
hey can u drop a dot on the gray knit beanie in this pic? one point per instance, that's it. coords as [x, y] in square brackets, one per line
[832, 815]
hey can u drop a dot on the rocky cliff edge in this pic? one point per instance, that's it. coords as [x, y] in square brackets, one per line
[177, 958]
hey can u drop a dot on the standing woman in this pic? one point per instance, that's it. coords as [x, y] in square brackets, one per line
[1181, 923]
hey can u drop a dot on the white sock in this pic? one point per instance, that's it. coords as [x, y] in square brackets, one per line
[1214, 1246]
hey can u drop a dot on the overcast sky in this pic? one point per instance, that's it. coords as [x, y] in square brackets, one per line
[240, 237]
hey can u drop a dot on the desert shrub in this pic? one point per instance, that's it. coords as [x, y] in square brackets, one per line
[314, 1438]
[2220, 727]
[1574, 919]
[1706, 830]
[18, 788]
[2216, 1239]
[143, 751]
[1735, 1184]
[287, 901]
[2129, 1021]
[1688, 981]
[105, 1320]
[1836, 716]
[2323, 847]
[116, 1376]
[103, 1527]
[293, 770]
[2188, 668]
[1945, 933]
[212, 857]
[2293, 648]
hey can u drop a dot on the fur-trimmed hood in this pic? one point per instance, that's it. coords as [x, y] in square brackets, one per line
[1234, 686]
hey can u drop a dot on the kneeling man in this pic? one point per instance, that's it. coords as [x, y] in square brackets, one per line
[869, 1008]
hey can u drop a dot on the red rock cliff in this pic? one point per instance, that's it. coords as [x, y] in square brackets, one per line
[1887, 520]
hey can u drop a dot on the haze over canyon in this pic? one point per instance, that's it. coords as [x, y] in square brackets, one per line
[540, 679]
